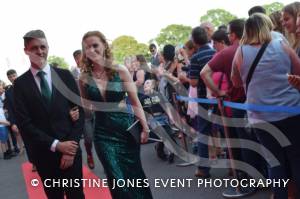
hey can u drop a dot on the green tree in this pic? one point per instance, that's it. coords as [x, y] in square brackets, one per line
[276, 6]
[59, 61]
[173, 34]
[126, 46]
[217, 17]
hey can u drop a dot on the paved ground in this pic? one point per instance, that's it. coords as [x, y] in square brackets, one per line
[12, 183]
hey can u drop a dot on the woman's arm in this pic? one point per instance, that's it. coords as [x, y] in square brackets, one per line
[206, 75]
[5, 122]
[294, 80]
[293, 57]
[171, 77]
[140, 78]
[169, 73]
[130, 88]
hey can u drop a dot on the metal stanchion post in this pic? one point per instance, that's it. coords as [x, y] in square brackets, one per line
[231, 192]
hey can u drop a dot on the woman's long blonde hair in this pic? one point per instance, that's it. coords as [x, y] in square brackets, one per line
[87, 64]
[276, 20]
[257, 29]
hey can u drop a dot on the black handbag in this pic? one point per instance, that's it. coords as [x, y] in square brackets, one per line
[135, 130]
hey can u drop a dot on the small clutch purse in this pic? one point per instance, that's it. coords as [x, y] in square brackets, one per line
[135, 130]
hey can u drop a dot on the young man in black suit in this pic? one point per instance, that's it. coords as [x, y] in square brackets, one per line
[43, 98]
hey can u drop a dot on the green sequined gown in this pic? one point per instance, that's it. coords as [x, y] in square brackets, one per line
[117, 150]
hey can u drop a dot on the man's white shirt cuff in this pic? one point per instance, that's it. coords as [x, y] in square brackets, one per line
[53, 146]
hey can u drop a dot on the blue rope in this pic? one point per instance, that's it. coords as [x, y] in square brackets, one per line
[243, 106]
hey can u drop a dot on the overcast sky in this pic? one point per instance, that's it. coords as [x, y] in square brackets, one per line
[65, 22]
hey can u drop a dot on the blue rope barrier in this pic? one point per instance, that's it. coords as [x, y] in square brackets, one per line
[198, 100]
[244, 106]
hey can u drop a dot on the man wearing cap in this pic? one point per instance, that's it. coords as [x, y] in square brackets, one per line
[43, 97]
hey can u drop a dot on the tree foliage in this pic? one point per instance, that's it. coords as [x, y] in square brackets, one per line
[59, 61]
[217, 17]
[173, 34]
[126, 46]
[276, 6]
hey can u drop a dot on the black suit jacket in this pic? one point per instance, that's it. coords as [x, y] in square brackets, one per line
[40, 125]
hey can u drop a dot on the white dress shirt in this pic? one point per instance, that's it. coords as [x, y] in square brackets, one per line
[48, 78]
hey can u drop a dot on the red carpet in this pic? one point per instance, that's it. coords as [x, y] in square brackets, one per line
[37, 192]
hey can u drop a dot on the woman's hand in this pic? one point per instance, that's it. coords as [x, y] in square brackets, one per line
[294, 80]
[144, 136]
[74, 114]
[182, 77]
[161, 71]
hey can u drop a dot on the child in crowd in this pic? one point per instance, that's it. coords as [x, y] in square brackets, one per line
[153, 103]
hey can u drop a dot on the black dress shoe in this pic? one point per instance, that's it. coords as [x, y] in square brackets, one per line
[201, 174]
[7, 155]
[33, 169]
[11, 153]
[171, 158]
[160, 151]
[90, 161]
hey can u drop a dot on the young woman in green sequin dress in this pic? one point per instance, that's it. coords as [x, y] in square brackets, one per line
[106, 86]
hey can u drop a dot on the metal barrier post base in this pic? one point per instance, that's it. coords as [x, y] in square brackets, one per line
[234, 192]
